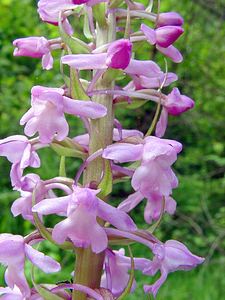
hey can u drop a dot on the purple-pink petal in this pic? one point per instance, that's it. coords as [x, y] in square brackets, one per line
[176, 103]
[169, 18]
[149, 33]
[162, 123]
[88, 109]
[43, 262]
[86, 61]
[132, 201]
[172, 52]
[146, 68]
[52, 206]
[123, 152]
[116, 217]
[31, 46]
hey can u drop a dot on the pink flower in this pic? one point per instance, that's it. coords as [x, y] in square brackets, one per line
[156, 156]
[13, 251]
[169, 257]
[49, 12]
[82, 208]
[21, 154]
[46, 115]
[163, 38]
[23, 205]
[117, 266]
[37, 47]
[169, 18]
[118, 57]
[174, 104]
[29, 183]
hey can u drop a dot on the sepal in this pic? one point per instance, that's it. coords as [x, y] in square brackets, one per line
[99, 11]
[107, 180]
[68, 148]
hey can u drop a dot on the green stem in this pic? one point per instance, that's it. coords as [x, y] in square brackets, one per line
[156, 116]
[62, 167]
[89, 266]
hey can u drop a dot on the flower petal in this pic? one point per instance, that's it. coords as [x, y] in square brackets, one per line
[143, 67]
[149, 33]
[43, 262]
[123, 152]
[172, 52]
[52, 206]
[162, 123]
[85, 61]
[116, 217]
[88, 109]
[47, 61]
[132, 201]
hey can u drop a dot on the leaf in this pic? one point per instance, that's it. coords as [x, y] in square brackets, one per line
[66, 151]
[99, 11]
[86, 28]
[76, 88]
[107, 180]
[62, 167]
[46, 294]
[116, 241]
[115, 3]
[135, 103]
[76, 45]
[112, 74]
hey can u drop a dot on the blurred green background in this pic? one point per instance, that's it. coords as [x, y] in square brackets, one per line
[200, 218]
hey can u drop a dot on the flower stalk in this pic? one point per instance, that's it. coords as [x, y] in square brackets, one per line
[101, 133]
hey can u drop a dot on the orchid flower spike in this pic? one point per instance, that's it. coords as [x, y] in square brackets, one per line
[174, 104]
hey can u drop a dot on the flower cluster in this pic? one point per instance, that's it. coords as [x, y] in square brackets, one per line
[90, 223]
